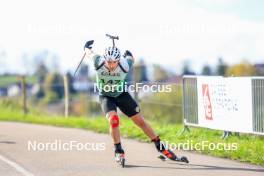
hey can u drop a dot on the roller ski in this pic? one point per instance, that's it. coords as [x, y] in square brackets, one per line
[120, 157]
[167, 153]
[183, 159]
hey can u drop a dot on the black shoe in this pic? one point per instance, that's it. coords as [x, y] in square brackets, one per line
[162, 149]
[119, 155]
[120, 151]
[169, 154]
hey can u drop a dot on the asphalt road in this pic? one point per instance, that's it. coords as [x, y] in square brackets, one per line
[17, 157]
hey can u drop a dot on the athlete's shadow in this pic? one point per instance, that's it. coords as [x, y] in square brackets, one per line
[7, 142]
[198, 167]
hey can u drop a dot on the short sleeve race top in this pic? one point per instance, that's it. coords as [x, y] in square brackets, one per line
[112, 83]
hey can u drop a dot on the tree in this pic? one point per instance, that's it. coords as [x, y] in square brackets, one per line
[130, 76]
[140, 72]
[27, 63]
[53, 87]
[160, 73]
[49, 59]
[259, 69]
[206, 70]
[143, 71]
[241, 69]
[70, 82]
[41, 72]
[84, 71]
[221, 67]
[3, 56]
[187, 69]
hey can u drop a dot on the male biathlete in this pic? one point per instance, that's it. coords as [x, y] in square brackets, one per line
[111, 70]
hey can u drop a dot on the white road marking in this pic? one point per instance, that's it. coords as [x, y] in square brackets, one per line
[16, 166]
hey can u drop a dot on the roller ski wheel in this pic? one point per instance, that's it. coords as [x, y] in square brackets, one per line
[183, 159]
[168, 154]
[120, 159]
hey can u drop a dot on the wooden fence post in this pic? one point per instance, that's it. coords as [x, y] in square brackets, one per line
[24, 94]
[66, 96]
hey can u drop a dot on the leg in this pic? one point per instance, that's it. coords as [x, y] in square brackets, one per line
[141, 123]
[108, 105]
[130, 108]
[114, 130]
[114, 126]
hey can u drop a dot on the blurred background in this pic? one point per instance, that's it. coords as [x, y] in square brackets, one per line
[41, 44]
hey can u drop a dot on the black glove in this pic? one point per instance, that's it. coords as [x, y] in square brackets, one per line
[128, 53]
[89, 44]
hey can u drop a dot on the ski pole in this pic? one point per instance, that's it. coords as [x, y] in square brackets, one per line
[79, 64]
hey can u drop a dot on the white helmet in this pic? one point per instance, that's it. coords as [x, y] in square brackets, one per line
[112, 54]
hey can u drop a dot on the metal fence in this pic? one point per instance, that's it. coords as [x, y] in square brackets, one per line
[190, 101]
[258, 105]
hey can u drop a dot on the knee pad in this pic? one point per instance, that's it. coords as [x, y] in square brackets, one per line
[114, 121]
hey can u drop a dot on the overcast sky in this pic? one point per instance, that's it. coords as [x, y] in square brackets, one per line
[162, 32]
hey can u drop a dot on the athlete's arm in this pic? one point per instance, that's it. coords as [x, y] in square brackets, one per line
[88, 49]
[128, 55]
[97, 60]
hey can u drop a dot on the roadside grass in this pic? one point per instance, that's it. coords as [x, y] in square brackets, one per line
[12, 79]
[250, 148]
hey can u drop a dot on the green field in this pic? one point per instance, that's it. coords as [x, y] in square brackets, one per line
[10, 79]
[249, 147]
